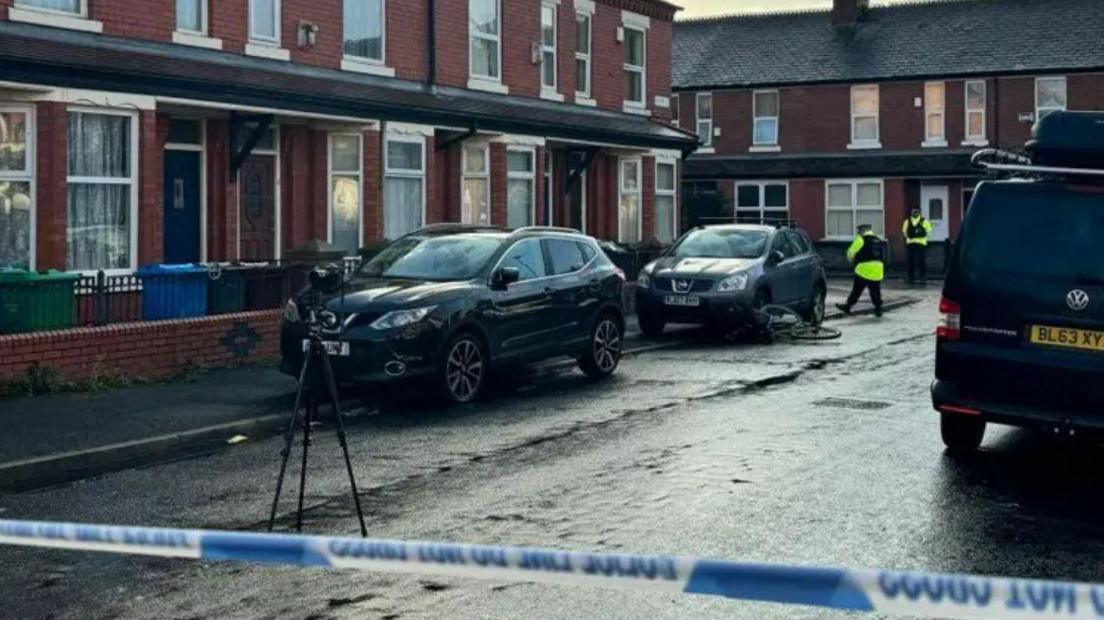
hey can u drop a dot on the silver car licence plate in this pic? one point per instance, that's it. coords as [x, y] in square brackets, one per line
[688, 301]
[335, 348]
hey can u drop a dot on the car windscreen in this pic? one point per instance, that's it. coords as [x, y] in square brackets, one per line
[455, 257]
[1034, 231]
[722, 243]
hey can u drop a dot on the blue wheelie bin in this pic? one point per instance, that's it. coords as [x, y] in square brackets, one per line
[173, 291]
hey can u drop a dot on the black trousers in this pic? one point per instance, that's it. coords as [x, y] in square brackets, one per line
[862, 284]
[917, 262]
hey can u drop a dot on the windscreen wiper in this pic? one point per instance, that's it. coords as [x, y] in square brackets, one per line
[1089, 280]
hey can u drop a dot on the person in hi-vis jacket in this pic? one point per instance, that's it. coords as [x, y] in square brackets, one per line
[867, 254]
[917, 229]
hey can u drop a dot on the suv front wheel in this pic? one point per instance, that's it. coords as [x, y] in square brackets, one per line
[463, 369]
[961, 434]
[603, 353]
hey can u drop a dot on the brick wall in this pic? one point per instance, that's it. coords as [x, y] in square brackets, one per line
[647, 202]
[229, 21]
[154, 20]
[50, 197]
[406, 50]
[373, 187]
[217, 189]
[297, 191]
[153, 133]
[148, 350]
[498, 184]
[659, 67]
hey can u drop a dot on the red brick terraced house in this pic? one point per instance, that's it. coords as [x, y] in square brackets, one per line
[148, 131]
[856, 114]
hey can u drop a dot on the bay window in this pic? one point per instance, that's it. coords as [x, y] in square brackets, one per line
[484, 33]
[666, 208]
[363, 25]
[582, 55]
[1050, 95]
[851, 204]
[345, 192]
[548, 47]
[102, 193]
[628, 208]
[403, 186]
[705, 119]
[865, 107]
[765, 104]
[520, 187]
[16, 187]
[935, 114]
[762, 201]
[975, 111]
[476, 192]
[634, 58]
[264, 21]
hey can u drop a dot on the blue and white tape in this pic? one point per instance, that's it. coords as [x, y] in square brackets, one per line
[887, 592]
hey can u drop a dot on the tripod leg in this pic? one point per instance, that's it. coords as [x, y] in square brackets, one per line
[312, 411]
[289, 439]
[331, 384]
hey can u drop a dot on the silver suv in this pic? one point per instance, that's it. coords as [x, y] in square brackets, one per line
[719, 275]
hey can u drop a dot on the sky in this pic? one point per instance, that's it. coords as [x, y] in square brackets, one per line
[703, 8]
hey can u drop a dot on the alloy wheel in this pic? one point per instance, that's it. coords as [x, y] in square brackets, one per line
[818, 307]
[607, 345]
[464, 370]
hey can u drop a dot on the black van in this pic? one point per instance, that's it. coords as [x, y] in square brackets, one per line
[1021, 335]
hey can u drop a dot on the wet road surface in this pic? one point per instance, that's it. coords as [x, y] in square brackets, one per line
[825, 454]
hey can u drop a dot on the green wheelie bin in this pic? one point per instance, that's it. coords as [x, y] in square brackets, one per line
[31, 301]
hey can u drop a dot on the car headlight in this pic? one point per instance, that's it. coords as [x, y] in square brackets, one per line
[291, 312]
[644, 280]
[737, 282]
[399, 318]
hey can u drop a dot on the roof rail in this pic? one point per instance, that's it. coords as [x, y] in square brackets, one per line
[559, 229]
[995, 160]
[456, 226]
[757, 221]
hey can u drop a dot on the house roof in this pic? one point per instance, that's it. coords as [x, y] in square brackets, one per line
[829, 166]
[53, 57]
[940, 38]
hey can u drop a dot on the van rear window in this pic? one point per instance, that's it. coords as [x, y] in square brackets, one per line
[1035, 231]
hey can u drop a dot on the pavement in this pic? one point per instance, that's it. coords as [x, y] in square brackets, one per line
[67, 437]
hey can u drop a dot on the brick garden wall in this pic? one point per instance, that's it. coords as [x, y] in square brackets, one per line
[146, 350]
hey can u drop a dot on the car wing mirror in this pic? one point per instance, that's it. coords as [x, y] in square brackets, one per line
[775, 257]
[504, 277]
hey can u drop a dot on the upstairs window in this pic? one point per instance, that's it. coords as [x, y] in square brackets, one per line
[635, 55]
[67, 7]
[548, 47]
[975, 111]
[935, 114]
[582, 55]
[264, 21]
[191, 17]
[1050, 96]
[705, 118]
[865, 107]
[484, 31]
[363, 26]
[766, 117]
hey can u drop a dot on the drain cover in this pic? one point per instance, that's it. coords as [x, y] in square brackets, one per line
[852, 403]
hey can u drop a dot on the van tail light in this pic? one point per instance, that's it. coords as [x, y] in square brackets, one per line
[950, 320]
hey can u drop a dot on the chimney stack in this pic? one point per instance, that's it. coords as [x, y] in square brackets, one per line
[848, 12]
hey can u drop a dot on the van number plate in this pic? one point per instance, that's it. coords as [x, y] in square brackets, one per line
[1068, 338]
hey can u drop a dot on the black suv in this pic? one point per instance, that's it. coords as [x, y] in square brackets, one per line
[450, 301]
[1021, 338]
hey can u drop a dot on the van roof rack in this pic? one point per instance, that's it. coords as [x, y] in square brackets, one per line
[996, 160]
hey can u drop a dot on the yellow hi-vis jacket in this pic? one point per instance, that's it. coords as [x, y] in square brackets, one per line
[868, 264]
[917, 222]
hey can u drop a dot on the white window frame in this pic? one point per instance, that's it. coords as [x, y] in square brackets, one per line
[550, 89]
[762, 210]
[20, 11]
[530, 176]
[200, 148]
[549, 172]
[756, 117]
[360, 183]
[1040, 112]
[930, 109]
[25, 5]
[203, 20]
[278, 16]
[362, 64]
[874, 143]
[983, 138]
[585, 56]
[672, 193]
[642, 69]
[707, 139]
[854, 208]
[621, 192]
[406, 173]
[497, 38]
[465, 175]
[133, 181]
[27, 175]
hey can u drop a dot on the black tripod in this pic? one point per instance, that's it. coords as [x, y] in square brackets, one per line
[317, 374]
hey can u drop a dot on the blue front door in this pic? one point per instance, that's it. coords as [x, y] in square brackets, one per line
[182, 207]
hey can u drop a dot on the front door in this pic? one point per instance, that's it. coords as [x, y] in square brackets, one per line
[181, 210]
[257, 185]
[933, 203]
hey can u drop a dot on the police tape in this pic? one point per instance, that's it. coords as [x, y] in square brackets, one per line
[887, 592]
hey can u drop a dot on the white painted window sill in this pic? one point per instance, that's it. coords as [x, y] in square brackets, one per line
[270, 52]
[584, 100]
[765, 148]
[934, 144]
[196, 40]
[489, 86]
[636, 108]
[978, 143]
[358, 65]
[551, 95]
[55, 20]
[864, 146]
[705, 150]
